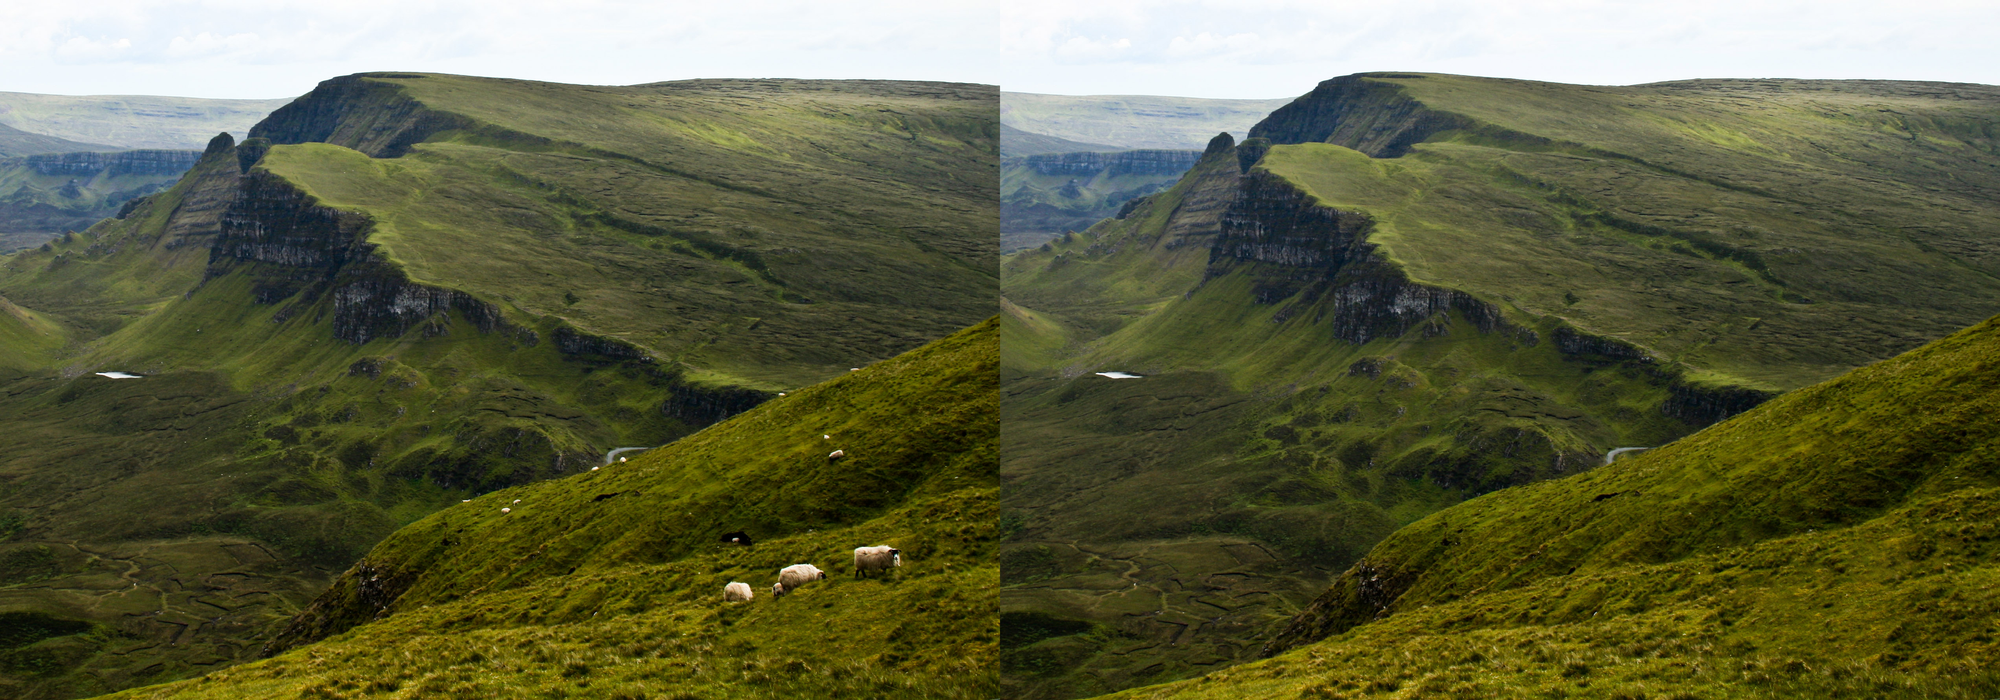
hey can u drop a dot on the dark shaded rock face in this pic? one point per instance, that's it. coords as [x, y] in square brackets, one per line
[702, 406]
[1577, 344]
[87, 165]
[1145, 162]
[1353, 111]
[583, 345]
[371, 117]
[1698, 405]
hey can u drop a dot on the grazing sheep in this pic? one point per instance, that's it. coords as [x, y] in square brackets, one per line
[837, 454]
[791, 577]
[736, 592]
[777, 590]
[737, 538]
[880, 557]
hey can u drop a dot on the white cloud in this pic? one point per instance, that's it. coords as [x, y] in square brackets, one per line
[78, 49]
[1263, 48]
[264, 48]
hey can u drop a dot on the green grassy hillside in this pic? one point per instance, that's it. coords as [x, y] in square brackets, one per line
[336, 344]
[132, 121]
[1835, 542]
[1381, 306]
[1132, 121]
[608, 583]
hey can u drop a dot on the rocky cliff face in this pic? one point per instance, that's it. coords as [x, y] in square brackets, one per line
[86, 165]
[1371, 117]
[368, 116]
[1143, 162]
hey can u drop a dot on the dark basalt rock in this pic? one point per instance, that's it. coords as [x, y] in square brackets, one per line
[1585, 346]
[1697, 405]
[1369, 116]
[571, 342]
[704, 406]
[88, 165]
[1252, 150]
[1141, 162]
[369, 116]
[1221, 143]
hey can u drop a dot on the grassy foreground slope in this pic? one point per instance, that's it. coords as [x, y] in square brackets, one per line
[336, 344]
[1834, 542]
[608, 583]
[132, 121]
[1379, 307]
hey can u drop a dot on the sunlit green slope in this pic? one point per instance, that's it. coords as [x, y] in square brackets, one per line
[1835, 542]
[1410, 290]
[608, 583]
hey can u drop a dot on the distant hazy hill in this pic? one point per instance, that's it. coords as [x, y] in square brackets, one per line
[1015, 142]
[41, 196]
[15, 142]
[608, 583]
[408, 290]
[1131, 121]
[129, 121]
[1409, 290]
[1836, 542]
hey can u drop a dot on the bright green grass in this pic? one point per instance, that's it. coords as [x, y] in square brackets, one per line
[26, 337]
[1835, 542]
[607, 584]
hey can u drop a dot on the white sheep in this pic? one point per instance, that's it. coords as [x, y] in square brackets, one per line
[880, 557]
[736, 592]
[791, 577]
[837, 454]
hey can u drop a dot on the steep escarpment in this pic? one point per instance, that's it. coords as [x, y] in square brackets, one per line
[356, 111]
[1359, 112]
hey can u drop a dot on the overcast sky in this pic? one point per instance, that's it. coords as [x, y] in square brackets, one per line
[1202, 48]
[281, 48]
[1281, 48]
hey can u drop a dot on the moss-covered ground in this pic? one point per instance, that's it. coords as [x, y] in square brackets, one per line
[608, 583]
